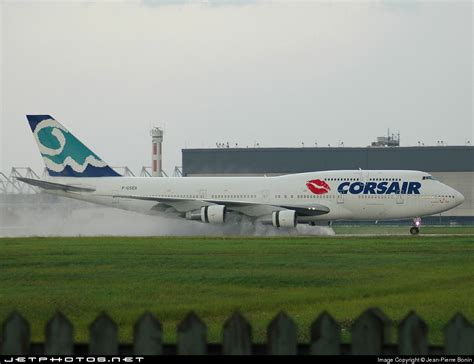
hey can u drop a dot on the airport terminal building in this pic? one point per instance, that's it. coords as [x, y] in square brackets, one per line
[452, 165]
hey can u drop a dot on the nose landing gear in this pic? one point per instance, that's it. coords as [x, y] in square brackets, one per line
[415, 229]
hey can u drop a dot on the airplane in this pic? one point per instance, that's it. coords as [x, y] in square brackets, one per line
[314, 198]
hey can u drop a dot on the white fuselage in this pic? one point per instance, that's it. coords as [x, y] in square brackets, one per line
[350, 195]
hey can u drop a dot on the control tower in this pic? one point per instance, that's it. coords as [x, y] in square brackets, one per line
[156, 157]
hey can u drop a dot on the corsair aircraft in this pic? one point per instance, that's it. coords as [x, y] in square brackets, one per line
[283, 201]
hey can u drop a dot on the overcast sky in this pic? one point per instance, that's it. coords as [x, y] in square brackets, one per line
[276, 73]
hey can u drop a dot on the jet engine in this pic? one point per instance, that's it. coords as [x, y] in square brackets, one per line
[284, 218]
[214, 214]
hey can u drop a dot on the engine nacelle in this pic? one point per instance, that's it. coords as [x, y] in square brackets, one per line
[214, 214]
[284, 218]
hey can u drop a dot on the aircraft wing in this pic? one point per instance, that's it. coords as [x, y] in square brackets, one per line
[253, 209]
[54, 186]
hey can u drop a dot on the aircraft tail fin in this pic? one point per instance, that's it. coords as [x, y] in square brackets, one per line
[63, 154]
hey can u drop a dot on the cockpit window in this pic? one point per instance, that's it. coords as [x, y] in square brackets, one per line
[429, 177]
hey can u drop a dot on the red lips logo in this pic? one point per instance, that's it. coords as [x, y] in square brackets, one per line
[318, 187]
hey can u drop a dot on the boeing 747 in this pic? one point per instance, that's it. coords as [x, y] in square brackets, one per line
[282, 201]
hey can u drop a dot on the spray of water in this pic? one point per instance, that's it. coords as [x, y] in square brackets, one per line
[43, 215]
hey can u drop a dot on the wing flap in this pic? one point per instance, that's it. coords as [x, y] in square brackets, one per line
[179, 204]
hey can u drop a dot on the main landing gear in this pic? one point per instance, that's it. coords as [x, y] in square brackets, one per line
[415, 229]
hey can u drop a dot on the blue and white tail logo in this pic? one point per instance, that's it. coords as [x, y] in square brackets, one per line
[63, 154]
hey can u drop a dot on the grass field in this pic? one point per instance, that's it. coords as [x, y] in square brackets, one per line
[381, 229]
[214, 276]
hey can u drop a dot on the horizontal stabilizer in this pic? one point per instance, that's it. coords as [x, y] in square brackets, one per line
[54, 186]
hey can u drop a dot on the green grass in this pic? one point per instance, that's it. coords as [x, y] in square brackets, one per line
[381, 229]
[214, 276]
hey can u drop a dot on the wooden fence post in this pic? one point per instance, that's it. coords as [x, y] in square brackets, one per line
[59, 336]
[237, 336]
[281, 336]
[459, 336]
[325, 336]
[192, 336]
[412, 335]
[387, 324]
[16, 335]
[103, 336]
[148, 336]
[367, 334]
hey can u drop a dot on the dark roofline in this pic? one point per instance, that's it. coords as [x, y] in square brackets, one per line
[299, 149]
[297, 160]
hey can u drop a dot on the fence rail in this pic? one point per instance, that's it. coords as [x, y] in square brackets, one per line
[370, 335]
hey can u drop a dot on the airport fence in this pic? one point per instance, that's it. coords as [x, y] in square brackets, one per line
[370, 335]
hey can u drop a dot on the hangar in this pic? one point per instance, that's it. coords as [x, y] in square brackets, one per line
[453, 165]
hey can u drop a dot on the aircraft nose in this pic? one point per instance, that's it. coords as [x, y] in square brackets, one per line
[459, 198]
